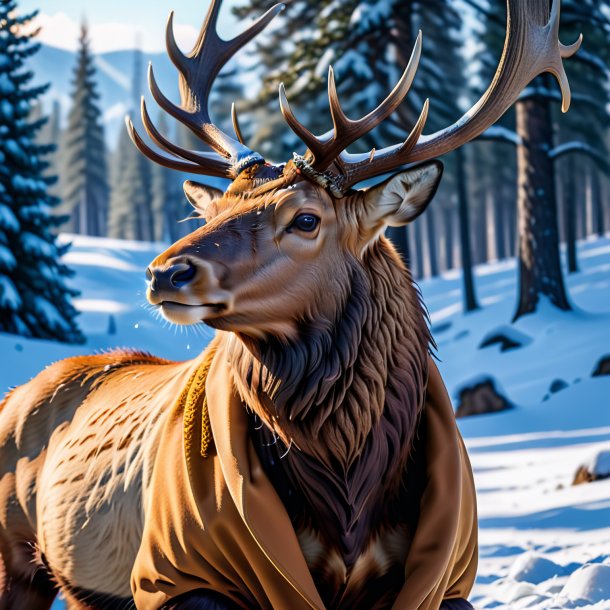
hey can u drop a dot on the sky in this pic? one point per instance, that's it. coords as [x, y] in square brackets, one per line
[118, 24]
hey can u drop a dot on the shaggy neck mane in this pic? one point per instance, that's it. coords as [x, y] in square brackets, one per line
[338, 407]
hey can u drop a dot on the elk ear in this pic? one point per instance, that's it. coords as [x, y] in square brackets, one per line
[403, 197]
[202, 198]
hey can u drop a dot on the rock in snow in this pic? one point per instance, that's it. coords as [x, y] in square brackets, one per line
[596, 468]
[481, 395]
[507, 337]
[602, 367]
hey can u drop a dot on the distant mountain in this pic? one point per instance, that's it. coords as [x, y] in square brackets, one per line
[114, 77]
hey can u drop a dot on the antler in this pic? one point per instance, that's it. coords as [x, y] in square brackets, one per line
[198, 70]
[531, 47]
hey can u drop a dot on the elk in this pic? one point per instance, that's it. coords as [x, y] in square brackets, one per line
[309, 458]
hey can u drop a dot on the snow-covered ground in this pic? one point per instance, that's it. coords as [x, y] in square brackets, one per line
[543, 543]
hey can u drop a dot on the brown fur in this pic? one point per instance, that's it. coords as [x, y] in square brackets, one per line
[328, 346]
[337, 384]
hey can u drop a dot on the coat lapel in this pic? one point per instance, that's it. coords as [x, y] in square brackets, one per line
[255, 498]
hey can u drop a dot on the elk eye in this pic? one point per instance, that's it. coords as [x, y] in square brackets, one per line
[305, 222]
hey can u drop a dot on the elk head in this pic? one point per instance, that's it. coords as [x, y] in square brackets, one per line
[282, 239]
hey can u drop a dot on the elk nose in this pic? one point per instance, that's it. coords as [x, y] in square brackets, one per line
[172, 277]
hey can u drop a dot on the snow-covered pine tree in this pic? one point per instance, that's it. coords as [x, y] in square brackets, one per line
[51, 134]
[368, 42]
[493, 173]
[539, 266]
[130, 215]
[581, 131]
[168, 201]
[34, 297]
[282, 55]
[84, 173]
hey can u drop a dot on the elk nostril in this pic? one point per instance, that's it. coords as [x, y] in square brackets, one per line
[183, 276]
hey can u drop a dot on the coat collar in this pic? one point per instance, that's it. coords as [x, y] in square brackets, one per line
[442, 559]
[255, 498]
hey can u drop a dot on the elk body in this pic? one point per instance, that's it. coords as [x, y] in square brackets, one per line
[319, 380]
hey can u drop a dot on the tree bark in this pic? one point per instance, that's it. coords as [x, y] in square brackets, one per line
[419, 250]
[470, 299]
[539, 263]
[569, 221]
[432, 243]
[483, 237]
[448, 228]
[581, 197]
[400, 238]
[496, 220]
[599, 227]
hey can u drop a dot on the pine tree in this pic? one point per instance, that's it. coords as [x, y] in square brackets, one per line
[51, 134]
[34, 297]
[539, 266]
[580, 131]
[281, 59]
[130, 214]
[168, 202]
[84, 176]
[368, 42]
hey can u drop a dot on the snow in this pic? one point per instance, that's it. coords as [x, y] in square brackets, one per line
[6, 110]
[591, 583]
[544, 544]
[9, 298]
[110, 274]
[48, 312]
[6, 85]
[32, 244]
[531, 517]
[7, 260]
[577, 146]
[499, 133]
[533, 568]
[7, 218]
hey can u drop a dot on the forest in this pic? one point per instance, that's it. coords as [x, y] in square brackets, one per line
[530, 187]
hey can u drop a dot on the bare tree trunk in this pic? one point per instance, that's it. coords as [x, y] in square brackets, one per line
[499, 234]
[490, 228]
[449, 242]
[481, 233]
[419, 250]
[569, 220]
[470, 299]
[539, 263]
[511, 228]
[581, 197]
[432, 243]
[399, 236]
[596, 200]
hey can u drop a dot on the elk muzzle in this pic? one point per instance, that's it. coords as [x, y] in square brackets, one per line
[186, 290]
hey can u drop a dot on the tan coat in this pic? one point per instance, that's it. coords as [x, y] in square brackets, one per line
[217, 523]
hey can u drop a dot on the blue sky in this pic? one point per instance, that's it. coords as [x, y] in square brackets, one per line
[117, 24]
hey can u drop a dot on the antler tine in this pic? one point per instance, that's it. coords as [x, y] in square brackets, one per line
[173, 50]
[569, 50]
[214, 166]
[531, 48]
[236, 127]
[565, 51]
[197, 72]
[161, 141]
[346, 131]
